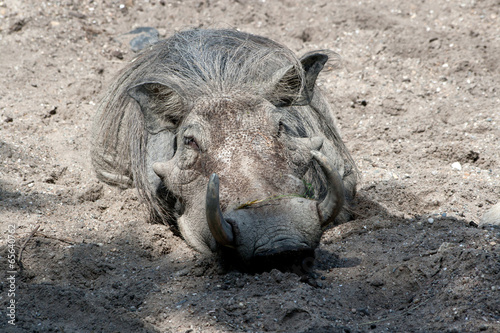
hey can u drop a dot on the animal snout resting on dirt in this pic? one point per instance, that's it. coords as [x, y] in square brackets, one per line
[228, 139]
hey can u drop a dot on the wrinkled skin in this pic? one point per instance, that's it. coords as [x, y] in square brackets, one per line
[237, 159]
[249, 156]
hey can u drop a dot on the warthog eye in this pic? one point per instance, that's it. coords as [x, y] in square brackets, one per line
[191, 142]
[281, 128]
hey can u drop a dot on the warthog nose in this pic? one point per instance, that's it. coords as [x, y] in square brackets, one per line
[296, 259]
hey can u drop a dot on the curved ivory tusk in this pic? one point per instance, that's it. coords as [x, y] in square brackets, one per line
[331, 206]
[220, 229]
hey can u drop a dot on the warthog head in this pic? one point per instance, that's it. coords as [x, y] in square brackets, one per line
[228, 139]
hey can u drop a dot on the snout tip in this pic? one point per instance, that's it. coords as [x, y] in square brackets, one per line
[296, 258]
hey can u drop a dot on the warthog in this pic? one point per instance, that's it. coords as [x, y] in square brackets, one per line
[228, 139]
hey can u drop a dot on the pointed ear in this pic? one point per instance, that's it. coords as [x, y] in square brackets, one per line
[161, 106]
[295, 86]
[312, 63]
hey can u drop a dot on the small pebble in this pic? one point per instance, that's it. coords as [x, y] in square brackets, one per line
[430, 220]
[117, 54]
[457, 166]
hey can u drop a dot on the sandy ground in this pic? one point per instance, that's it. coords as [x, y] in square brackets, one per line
[417, 103]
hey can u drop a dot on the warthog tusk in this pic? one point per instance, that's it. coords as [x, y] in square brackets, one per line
[220, 229]
[331, 206]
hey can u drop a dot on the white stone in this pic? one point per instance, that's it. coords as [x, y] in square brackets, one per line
[457, 166]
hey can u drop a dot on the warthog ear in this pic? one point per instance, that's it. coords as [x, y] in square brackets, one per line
[312, 65]
[292, 88]
[161, 106]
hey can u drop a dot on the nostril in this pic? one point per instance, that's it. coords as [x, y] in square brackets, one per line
[297, 260]
[284, 252]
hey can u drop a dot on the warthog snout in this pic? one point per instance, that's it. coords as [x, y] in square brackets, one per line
[229, 140]
[278, 227]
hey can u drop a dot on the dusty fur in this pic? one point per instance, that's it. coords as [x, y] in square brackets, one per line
[196, 64]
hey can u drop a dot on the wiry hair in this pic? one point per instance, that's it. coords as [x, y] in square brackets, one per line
[197, 64]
